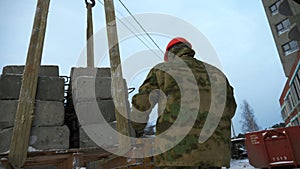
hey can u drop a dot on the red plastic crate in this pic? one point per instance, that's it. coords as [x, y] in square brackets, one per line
[274, 147]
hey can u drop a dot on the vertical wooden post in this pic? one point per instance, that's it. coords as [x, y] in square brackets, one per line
[89, 35]
[25, 109]
[117, 78]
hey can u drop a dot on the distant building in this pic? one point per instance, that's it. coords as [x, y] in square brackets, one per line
[290, 97]
[284, 21]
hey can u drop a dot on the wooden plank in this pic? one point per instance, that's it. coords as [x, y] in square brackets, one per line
[116, 162]
[63, 159]
[25, 109]
[119, 94]
[47, 160]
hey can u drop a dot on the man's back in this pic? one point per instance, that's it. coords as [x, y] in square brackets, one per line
[189, 152]
[195, 107]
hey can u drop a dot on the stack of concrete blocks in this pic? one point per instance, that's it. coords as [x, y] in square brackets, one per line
[48, 130]
[92, 96]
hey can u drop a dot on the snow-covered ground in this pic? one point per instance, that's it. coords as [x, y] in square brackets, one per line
[239, 164]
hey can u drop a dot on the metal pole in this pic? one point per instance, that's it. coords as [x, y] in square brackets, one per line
[25, 109]
[89, 34]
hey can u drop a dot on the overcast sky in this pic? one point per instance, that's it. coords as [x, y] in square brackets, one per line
[238, 31]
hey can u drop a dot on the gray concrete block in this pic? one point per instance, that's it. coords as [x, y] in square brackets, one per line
[7, 113]
[89, 83]
[41, 138]
[88, 113]
[47, 113]
[103, 88]
[45, 70]
[5, 139]
[45, 138]
[106, 141]
[107, 109]
[49, 88]
[87, 87]
[98, 72]
[93, 112]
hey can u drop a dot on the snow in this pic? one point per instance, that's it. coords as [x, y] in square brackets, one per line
[282, 162]
[237, 139]
[239, 164]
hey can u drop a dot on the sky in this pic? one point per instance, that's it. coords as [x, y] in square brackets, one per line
[238, 31]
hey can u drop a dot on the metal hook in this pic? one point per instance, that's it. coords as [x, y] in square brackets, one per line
[92, 4]
[130, 90]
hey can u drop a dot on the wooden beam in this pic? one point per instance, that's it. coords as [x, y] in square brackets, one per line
[25, 109]
[119, 93]
[63, 159]
[116, 162]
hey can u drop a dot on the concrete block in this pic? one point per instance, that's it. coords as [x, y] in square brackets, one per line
[10, 86]
[89, 83]
[87, 87]
[106, 141]
[5, 139]
[49, 88]
[47, 113]
[103, 72]
[89, 113]
[41, 138]
[98, 72]
[45, 138]
[45, 70]
[107, 109]
[103, 88]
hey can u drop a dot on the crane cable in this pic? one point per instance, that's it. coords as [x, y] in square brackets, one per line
[137, 36]
[141, 26]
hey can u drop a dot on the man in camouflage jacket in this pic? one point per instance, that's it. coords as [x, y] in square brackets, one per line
[170, 85]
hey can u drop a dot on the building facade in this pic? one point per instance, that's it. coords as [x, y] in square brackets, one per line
[284, 18]
[290, 97]
[281, 25]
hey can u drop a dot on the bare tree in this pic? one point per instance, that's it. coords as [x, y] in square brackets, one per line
[248, 120]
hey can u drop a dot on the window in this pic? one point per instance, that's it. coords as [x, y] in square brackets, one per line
[291, 100]
[274, 8]
[284, 113]
[295, 122]
[283, 26]
[295, 87]
[294, 93]
[290, 47]
[289, 104]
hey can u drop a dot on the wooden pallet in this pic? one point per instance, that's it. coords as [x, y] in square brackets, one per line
[91, 158]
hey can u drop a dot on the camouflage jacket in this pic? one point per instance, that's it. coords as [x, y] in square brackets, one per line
[171, 85]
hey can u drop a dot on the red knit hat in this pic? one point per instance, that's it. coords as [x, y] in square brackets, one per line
[174, 42]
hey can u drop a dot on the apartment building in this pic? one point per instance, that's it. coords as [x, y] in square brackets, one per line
[284, 18]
